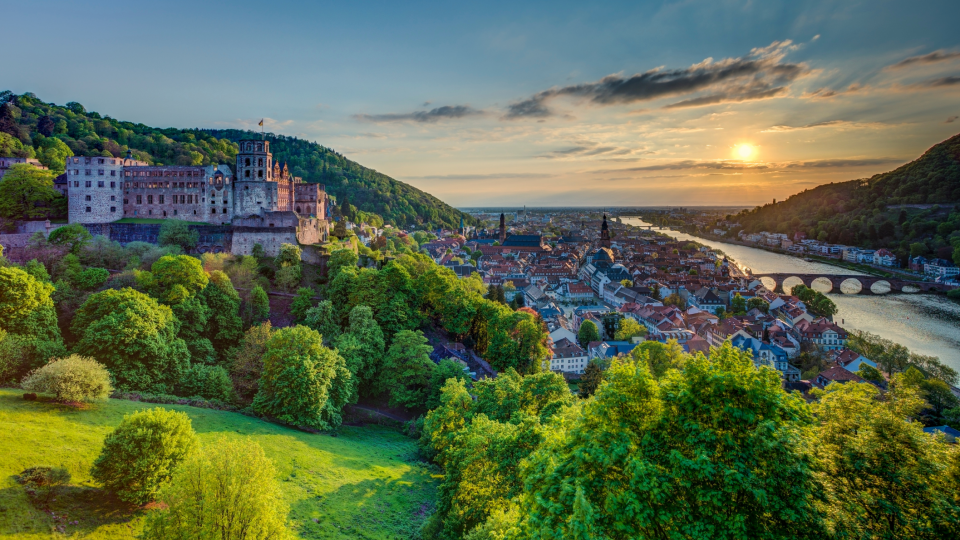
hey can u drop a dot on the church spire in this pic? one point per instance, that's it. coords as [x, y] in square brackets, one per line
[604, 233]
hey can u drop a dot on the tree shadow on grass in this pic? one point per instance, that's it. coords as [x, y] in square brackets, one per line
[375, 508]
[76, 508]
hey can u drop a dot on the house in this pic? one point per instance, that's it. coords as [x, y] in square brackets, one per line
[885, 257]
[836, 374]
[850, 360]
[940, 268]
[822, 333]
[765, 354]
[568, 357]
[706, 299]
[950, 434]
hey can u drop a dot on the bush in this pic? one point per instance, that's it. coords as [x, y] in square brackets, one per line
[209, 382]
[228, 491]
[43, 483]
[141, 454]
[91, 278]
[74, 378]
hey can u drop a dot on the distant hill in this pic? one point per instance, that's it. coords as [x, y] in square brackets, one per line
[914, 208]
[31, 121]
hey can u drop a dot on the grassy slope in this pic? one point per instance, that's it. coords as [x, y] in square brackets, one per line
[363, 484]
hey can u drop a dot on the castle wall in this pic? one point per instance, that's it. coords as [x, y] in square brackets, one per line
[254, 198]
[164, 192]
[270, 238]
[95, 192]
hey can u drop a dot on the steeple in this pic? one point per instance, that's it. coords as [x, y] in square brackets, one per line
[604, 233]
[503, 229]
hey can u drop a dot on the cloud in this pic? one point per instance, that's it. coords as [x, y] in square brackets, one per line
[690, 164]
[930, 58]
[493, 176]
[936, 83]
[826, 93]
[757, 75]
[446, 112]
[833, 163]
[840, 124]
[587, 149]
[951, 120]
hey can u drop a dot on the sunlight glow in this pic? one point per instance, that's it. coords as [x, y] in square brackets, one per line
[745, 151]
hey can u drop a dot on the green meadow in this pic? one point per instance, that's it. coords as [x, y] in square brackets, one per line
[364, 483]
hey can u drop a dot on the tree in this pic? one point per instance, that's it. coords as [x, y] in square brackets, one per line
[660, 357]
[54, 153]
[143, 452]
[883, 476]
[448, 368]
[323, 319]
[758, 303]
[74, 236]
[362, 347]
[738, 305]
[208, 382]
[258, 307]
[133, 336]
[407, 370]
[626, 283]
[224, 327]
[628, 329]
[73, 378]
[339, 259]
[174, 232]
[588, 333]
[301, 304]
[675, 300]
[26, 192]
[176, 278]
[303, 382]
[918, 248]
[247, 366]
[644, 460]
[938, 395]
[592, 377]
[228, 491]
[869, 373]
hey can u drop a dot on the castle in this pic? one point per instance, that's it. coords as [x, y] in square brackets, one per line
[263, 203]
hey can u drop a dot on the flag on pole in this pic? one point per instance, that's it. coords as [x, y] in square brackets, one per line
[261, 123]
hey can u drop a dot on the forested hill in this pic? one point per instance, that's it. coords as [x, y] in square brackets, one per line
[914, 209]
[29, 127]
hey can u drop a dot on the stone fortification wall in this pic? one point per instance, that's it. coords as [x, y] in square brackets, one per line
[213, 238]
[311, 231]
[270, 238]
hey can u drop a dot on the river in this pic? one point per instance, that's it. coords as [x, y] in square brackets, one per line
[924, 323]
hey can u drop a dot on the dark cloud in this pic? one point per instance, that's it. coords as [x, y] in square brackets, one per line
[757, 75]
[937, 83]
[826, 93]
[951, 120]
[841, 124]
[493, 176]
[588, 149]
[446, 112]
[690, 164]
[930, 58]
[831, 163]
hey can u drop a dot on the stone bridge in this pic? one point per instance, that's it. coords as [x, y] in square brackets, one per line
[853, 284]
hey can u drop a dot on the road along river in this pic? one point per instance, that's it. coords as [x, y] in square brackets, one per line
[924, 323]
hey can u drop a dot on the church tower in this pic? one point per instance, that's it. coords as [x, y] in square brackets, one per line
[604, 233]
[503, 229]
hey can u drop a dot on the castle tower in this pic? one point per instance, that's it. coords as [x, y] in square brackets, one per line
[604, 233]
[254, 161]
[503, 229]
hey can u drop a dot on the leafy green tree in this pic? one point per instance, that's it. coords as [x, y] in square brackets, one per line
[407, 370]
[208, 382]
[758, 303]
[247, 366]
[883, 476]
[303, 382]
[628, 329]
[738, 305]
[939, 395]
[193, 318]
[134, 336]
[592, 377]
[54, 153]
[229, 491]
[675, 300]
[73, 378]
[664, 461]
[225, 327]
[258, 307]
[869, 373]
[918, 248]
[660, 357]
[301, 304]
[26, 192]
[323, 319]
[176, 278]
[174, 232]
[142, 453]
[362, 347]
[446, 369]
[339, 259]
[74, 236]
[588, 333]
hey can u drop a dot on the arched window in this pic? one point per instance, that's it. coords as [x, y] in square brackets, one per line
[247, 162]
[260, 173]
[246, 174]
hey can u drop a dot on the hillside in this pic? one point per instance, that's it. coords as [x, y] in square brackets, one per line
[365, 483]
[914, 209]
[40, 128]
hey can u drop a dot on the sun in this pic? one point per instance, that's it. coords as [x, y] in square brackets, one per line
[745, 151]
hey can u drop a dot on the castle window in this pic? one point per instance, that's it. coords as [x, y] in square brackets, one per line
[88, 209]
[213, 211]
[86, 198]
[150, 212]
[260, 173]
[164, 213]
[246, 162]
[100, 184]
[260, 162]
[139, 199]
[149, 199]
[190, 199]
[113, 185]
[76, 183]
[86, 172]
[161, 199]
[113, 197]
[88, 183]
[246, 174]
[100, 172]
[174, 212]
[224, 210]
[113, 208]
[113, 173]
[100, 161]
[126, 201]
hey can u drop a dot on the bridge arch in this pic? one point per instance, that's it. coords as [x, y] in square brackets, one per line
[851, 286]
[822, 284]
[790, 282]
[881, 286]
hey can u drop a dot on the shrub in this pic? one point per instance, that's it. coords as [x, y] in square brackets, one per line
[43, 483]
[91, 278]
[141, 454]
[74, 378]
[248, 365]
[228, 491]
[209, 382]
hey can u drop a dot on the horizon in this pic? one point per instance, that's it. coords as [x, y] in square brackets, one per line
[658, 104]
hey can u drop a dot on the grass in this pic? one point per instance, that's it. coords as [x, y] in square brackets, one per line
[364, 483]
[152, 221]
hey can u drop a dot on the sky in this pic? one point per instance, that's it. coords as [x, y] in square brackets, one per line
[525, 103]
